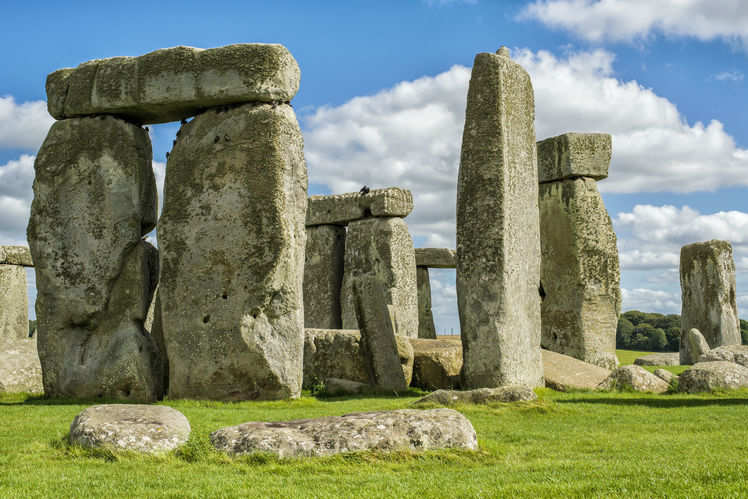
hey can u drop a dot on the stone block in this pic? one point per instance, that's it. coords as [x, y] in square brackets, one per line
[15, 255]
[436, 363]
[232, 240]
[711, 376]
[498, 233]
[509, 393]
[436, 258]
[564, 373]
[323, 276]
[634, 378]
[174, 83]
[382, 248]
[574, 155]
[94, 199]
[334, 353]
[426, 328]
[580, 273]
[659, 359]
[14, 303]
[343, 208]
[692, 346]
[20, 370]
[707, 283]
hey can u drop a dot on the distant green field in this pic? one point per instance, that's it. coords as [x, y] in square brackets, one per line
[627, 357]
[564, 445]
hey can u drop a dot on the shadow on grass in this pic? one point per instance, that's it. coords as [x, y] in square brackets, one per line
[370, 394]
[21, 399]
[659, 402]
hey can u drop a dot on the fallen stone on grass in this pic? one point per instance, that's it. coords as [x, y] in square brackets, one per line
[665, 375]
[659, 359]
[564, 373]
[730, 353]
[692, 346]
[634, 378]
[710, 376]
[511, 393]
[337, 386]
[20, 369]
[132, 427]
[404, 429]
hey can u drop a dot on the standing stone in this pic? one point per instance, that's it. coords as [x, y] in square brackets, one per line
[14, 303]
[232, 255]
[323, 276]
[382, 248]
[426, 328]
[498, 241]
[707, 282]
[580, 272]
[94, 199]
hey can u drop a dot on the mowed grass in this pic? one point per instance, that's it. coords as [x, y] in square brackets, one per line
[563, 445]
[626, 357]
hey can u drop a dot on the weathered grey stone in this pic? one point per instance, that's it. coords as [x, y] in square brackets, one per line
[154, 326]
[383, 249]
[323, 276]
[436, 258]
[94, 198]
[711, 376]
[692, 346]
[574, 155]
[707, 282]
[174, 83]
[564, 373]
[15, 255]
[14, 303]
[730, 353]
[665, 376]
[634, 378]
[510, 393]
[336, 386]
[20, 370]
[426, 328]
[498, 241]
[140, 428]
[343, 208]
[580, 272]
[232, 240]
[334, 353]
[404, 429]
[659, 359]
[436, 363]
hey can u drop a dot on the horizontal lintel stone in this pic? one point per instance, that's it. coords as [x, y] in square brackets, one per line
[436, 258]
[340, 209]
[16, 255]
[574, 155]
[174, 83]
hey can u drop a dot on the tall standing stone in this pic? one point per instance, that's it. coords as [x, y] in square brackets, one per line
[498, 242]
[94, 199]
[232, 255]
[323, 276]
[426, 328]
[707, 283]
[14, 303]
[383, 249]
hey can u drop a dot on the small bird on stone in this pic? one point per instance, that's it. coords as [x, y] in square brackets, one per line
[184, 121]
[364, 190]
[167, 155]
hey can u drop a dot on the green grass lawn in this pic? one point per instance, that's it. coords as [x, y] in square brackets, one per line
[626, 357]
[564, 445]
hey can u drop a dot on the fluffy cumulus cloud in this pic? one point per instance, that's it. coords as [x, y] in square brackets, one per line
[627, 20]
[16, 178]
[23, 126]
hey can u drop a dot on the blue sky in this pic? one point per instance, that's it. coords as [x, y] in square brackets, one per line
[382, 101]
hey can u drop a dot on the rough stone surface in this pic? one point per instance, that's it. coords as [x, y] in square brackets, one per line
[498, 234]
[510, 393]
[404, 429]
[14, 303]
[659, 359]
[436, 258]
[426, 328]
[232, 242]
[563, 373]
[94, 199]
[580, 272]
[20, 370]
[340, 209]
[730, 353]
[131, 427]
[436, 363]
[634, 378]
[334, 353]
[336, 386]
[710, 376]
[15, 255]
[383, 249]
[573, 155]
[174, 83]
[665, 375]
[323, 276]
[707, 282]
[692, 346]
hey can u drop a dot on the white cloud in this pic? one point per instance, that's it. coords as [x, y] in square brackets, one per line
[23, 126]
[628, 20]
[16, 178]
[729, 76]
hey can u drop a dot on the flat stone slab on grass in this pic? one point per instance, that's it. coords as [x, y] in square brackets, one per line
[404, 429]
[132, 427]
[15, 255]
[436, 258]
[343, 208]
[564, 373]
[710, 376]
[730, 353]
[480, 396]
[659, 359]
[634, 378]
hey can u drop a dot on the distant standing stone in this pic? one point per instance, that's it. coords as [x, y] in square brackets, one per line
[692, 346]
[14, 303]
[323, 276]
[20, 370]
[426, 328]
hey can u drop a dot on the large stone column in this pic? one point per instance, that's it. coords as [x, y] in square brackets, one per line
[498, 242]
[707, 283]
[232, 243]
[323, 276]
[426, 328]
[580, 271]
[14, 301]
[94, 199]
